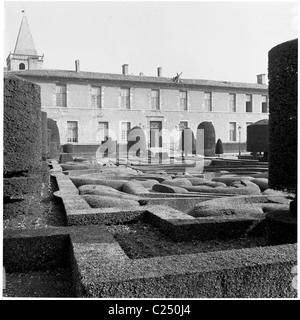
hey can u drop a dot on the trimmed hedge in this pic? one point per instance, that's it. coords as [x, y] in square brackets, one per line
[281, 227]
[17, 186]
[258, 136]
[45, 151]
[22, 125]
[283, 96]
[68, 148]
[54, 138]
[219, 147]
[34, 253]
[209, 138]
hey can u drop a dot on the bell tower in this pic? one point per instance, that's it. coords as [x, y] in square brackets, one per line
[25, 56]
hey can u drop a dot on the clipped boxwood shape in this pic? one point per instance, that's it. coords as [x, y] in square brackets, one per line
[209, 138]
[283, 101]
[258, 136]
[22, 125]
[219, 147]
[54, 138]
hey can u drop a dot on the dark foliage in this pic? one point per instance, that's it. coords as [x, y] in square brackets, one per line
[283, 85]
[219, 147]
[22, 125]
[209, 138]
[258, 137]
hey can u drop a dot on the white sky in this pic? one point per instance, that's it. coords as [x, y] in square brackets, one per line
[203, 40]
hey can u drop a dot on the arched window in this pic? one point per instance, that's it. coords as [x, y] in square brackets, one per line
[21, 66]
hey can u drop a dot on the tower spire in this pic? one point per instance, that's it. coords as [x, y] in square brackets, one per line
[25, 44]
[25, 56]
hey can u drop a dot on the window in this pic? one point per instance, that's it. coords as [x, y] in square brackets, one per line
[61, 95]
[232, 102]
[207, 101]
[183, 100]
[232, 131]
[96, 97]
[264, 105]
[248, 103]
[21, 66]
[125, 128]
[183, 125]
[155, 100]
[72, 131]
[125, 98]
[103, 131]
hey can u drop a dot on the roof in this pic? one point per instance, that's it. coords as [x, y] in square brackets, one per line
[24, 44]
[84, 75]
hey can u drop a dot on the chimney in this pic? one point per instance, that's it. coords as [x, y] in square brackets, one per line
[159, 72]
[77, 66]
[141, 74]
[125, 69]
[261, 79]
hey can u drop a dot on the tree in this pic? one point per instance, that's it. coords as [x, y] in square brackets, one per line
[219, 147]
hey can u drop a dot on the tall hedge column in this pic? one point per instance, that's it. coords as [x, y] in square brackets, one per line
[23, 168]
[283, 85]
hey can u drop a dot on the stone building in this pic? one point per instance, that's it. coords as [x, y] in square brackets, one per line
[88, 106]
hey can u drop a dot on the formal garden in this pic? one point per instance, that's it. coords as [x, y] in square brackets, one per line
[94, 223]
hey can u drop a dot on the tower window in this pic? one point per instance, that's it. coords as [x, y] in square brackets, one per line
[21, 66]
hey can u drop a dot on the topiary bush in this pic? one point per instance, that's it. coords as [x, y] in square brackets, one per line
[258, 136]
[22, 132]
[219, 147]
[68, 148]
[209, 138]
[44, 135]
[283, 96]
[54, 138]
[187, 141]
[25, 143]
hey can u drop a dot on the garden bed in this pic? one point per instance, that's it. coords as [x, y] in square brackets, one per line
[142, 240]
[49, 284]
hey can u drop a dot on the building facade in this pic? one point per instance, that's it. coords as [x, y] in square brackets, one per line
[88, 107]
